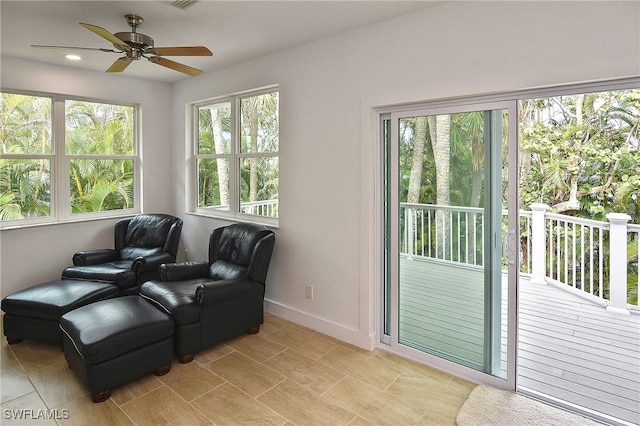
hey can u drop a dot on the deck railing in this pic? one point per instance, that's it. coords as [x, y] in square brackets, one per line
[443, 232]
[266, 208]
[596, 259]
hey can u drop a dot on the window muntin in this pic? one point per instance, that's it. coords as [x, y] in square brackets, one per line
[263, 201]
[26, 124]
[236, 156]
[213, 183]
[100, 147]
[99, 185]
[259, 123]
[214, 156]
[89, 170]
[26, 129]
[93, 128]
[25, 188]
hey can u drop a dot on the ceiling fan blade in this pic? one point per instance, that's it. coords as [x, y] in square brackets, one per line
[175, 65]
[182, 51]
[74, 47]
[106, 35]
[120, 64]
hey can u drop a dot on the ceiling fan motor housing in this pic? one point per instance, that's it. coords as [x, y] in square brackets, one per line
[136, 46]
[139, 43]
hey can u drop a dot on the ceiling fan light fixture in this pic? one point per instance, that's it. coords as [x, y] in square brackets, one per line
[135, 45]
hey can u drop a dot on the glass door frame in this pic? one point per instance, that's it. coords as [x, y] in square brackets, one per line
[389, 228]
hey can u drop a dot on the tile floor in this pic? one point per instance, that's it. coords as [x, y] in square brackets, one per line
[285, 375]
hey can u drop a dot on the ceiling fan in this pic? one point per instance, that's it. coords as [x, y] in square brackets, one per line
[136, 45]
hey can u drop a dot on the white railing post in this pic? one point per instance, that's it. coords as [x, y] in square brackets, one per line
[410, 241]
[538, 244]
[618, 263]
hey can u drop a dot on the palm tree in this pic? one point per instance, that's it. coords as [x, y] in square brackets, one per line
[94, 132]
[25, 128]
[219, 118]
[261, 115]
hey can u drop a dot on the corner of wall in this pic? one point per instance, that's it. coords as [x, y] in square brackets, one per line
[359, 338]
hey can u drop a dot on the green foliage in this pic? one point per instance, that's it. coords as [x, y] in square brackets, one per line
[258, 140]
[9, 210]
[93, 133]
[588, 143]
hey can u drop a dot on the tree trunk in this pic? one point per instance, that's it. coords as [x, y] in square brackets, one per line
[574, 203]
[253, 162]
[477, 152]
[415, 179]
[223, 173]
[442, 157]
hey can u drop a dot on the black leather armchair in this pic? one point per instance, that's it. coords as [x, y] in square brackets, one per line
[142, 244]
[213, 301]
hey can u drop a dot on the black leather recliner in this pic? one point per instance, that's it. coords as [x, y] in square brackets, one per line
[142, 244]
[213, 301]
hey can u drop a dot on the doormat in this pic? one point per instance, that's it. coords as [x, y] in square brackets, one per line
[491, 406]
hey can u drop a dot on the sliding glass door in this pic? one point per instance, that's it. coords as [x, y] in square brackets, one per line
[447, 226]
[470, 219]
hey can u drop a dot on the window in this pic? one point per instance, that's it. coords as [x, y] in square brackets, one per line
[236, 157]
[65, 159]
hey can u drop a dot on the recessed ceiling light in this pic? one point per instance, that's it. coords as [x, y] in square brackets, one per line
[73, 57]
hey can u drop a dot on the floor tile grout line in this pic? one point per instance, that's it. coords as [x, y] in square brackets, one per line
[38, 391]
[139, 396]
[399, 368]
[24, 371]
[272, 387]
[255, 398]
[125, 413]
[271, 408]
[273, 356]
[190, 404]
[334, 385]
[224, 382]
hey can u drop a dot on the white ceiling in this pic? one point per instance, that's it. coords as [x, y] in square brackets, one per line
[235, 31]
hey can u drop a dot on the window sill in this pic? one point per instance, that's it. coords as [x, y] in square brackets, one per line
[8, 226]
[257, 220]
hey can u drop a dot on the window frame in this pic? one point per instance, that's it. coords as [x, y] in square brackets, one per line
[60, 196]
[235, 157]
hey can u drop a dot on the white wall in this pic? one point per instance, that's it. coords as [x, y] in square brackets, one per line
[32, 255]
[328, 89]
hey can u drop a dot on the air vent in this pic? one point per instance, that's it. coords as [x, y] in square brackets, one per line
[183, 4]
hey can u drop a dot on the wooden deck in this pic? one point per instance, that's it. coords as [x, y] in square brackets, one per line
[569, 349]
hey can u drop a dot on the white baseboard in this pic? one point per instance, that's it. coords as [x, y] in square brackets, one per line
[346, 334]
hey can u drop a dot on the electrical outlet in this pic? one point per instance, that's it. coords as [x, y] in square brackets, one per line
[309, 292]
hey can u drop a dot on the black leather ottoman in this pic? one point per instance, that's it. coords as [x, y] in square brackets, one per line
[114, 341]
[34, 313]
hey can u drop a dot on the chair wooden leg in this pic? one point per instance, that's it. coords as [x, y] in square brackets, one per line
[254, 330]
[185, 359]
[163, 370]
[13, 340]
[100, 396]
